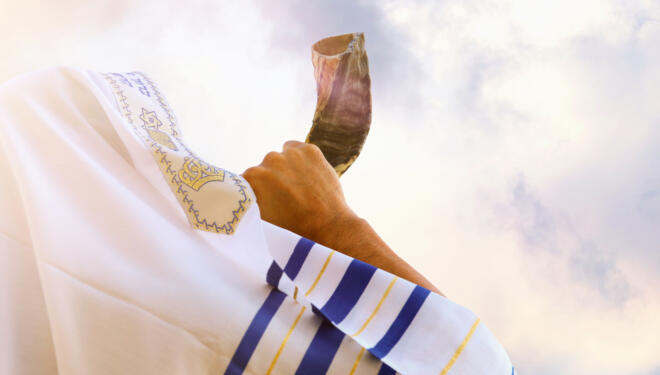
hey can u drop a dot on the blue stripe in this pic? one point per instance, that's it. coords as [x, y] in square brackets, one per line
[512, 370]
[386, 370]
[348, 291]
[322, 350]
[254, 332]
[293, 265]
[316, 311]
[401, 323]
[274, 275]
[297, 258]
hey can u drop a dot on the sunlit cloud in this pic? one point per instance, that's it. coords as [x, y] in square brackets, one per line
[513, 151]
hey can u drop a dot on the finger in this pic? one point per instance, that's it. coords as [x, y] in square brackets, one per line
[248, 173]
[273, 158]
[313, 149]
[292, 144]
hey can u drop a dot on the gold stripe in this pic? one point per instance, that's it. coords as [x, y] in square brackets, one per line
[380, 303]
[357, 361]
[318, 277]
[286, 338]
[295, 293]
[460, 348]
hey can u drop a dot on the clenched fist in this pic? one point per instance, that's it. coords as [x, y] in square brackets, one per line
[297, 189]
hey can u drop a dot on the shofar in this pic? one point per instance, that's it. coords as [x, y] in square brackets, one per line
[343, 108]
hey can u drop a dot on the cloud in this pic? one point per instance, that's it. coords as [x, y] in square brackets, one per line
[533, 221]
[513, 151]
[533, 147]
[540, 229]
[649, 201]
[599, 269]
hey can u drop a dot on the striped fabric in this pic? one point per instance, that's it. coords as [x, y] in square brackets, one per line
[406, 327]
[253, 334]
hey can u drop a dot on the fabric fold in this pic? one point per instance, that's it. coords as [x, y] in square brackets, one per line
[408, 327]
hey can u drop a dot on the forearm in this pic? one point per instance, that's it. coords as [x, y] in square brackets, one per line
[298, 190]
[355, 237]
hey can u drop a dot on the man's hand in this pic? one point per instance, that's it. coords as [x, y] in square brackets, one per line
[298, 190]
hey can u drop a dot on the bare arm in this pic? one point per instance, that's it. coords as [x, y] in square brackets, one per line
[298, 190]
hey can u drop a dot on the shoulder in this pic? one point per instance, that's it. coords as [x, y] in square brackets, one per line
[60, 101]
[29, 79]
[48, 82]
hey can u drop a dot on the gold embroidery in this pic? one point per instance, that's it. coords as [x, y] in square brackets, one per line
[210, 201]
[186, 200]
[195, 173]
[150, 119]
[152, 125]
[173, 128]
[162, 138]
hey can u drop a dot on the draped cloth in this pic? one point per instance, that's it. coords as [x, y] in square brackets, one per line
[122, 252]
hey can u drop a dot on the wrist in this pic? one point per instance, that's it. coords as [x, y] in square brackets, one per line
[335, 231]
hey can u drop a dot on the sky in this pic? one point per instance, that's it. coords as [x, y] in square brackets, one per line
[513, 152]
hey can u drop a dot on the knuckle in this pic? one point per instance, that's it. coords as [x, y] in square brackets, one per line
[292, 144]
[313, 149]
[273, 157]
[294, 152]
[252, 172]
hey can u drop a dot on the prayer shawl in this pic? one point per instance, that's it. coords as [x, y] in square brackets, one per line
[122, 252]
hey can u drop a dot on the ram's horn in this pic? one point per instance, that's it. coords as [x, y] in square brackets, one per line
[343, 107]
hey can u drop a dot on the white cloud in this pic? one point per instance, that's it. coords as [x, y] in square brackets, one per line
[512, 156]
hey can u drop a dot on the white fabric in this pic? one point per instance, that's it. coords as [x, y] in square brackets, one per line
[104, 269]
